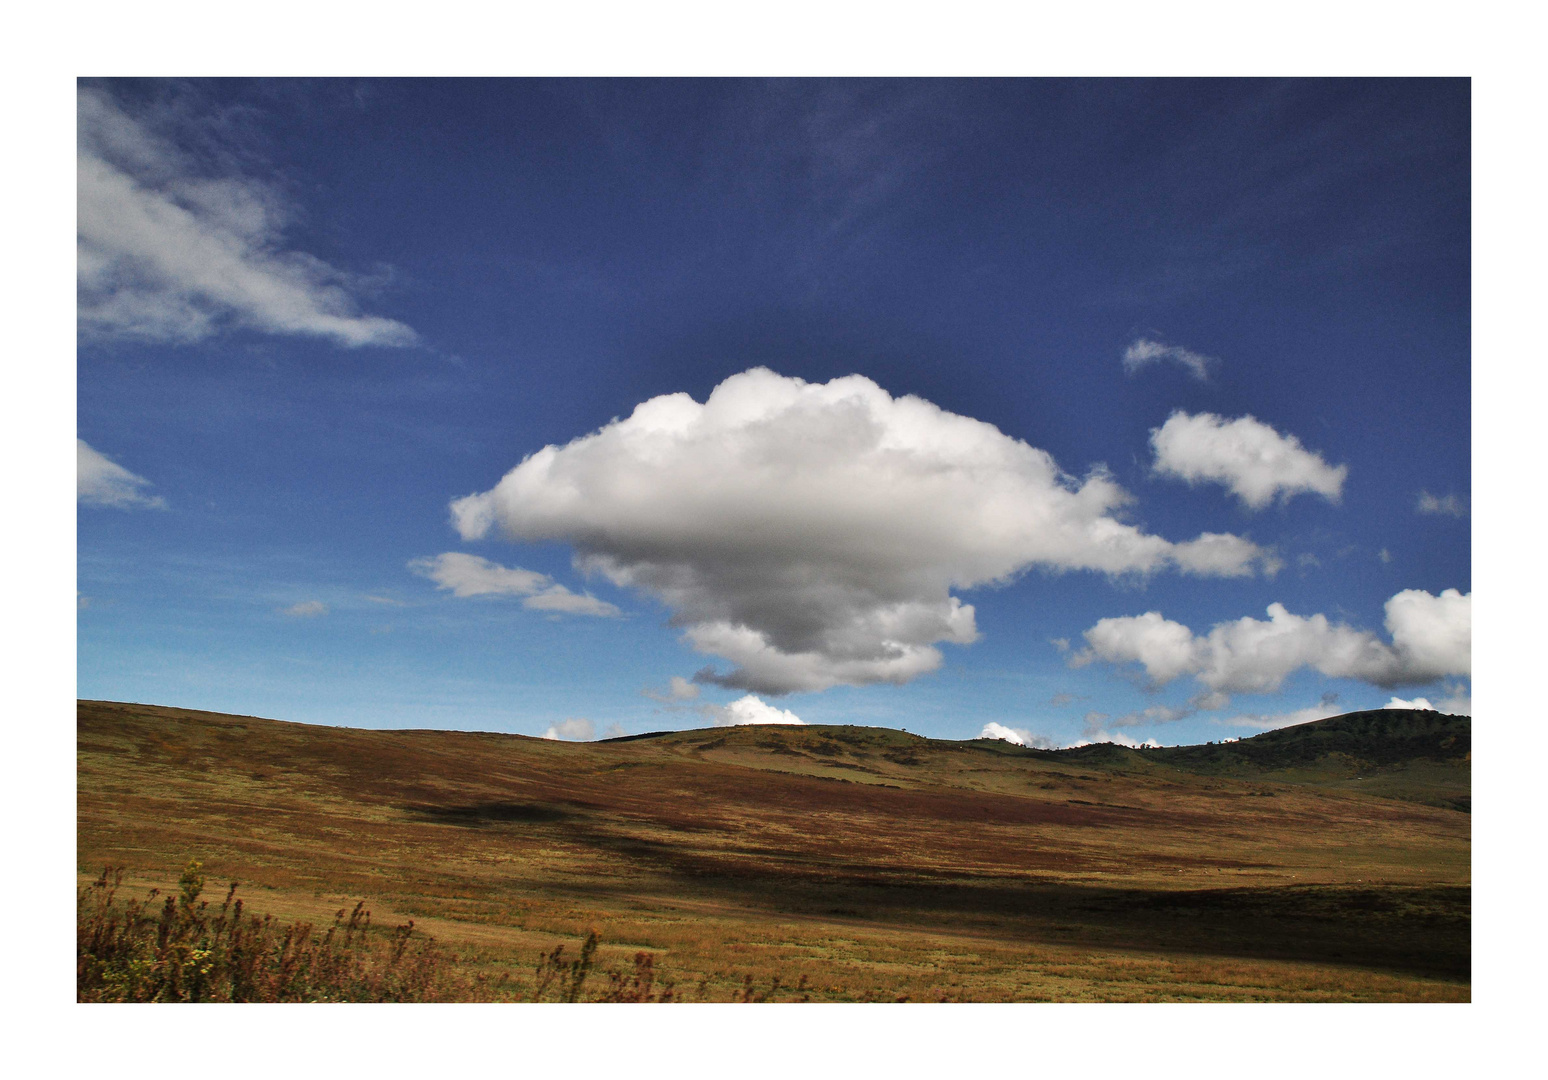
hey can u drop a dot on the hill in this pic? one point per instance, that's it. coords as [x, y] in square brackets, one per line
[869, 863]
[1412, 754]
[1409, 754]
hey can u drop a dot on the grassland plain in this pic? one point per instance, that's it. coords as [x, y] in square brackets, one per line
[1328, 862]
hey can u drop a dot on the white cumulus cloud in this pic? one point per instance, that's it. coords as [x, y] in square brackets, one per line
[1093, 737]
[100, 481]
[1431, 638]
[1433, 634]
[1018, 736]
[169, 251]
[1248, 456]
[1417, 703]
[812, 534]
[470, 575]
[575, 729]
[1143, 351]
[749, 710]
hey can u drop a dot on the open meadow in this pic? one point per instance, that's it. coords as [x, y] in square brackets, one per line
[1328, 862]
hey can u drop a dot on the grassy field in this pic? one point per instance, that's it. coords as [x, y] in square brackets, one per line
[1329, 862]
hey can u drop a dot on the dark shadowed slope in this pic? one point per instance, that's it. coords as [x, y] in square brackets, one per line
[1412, 754]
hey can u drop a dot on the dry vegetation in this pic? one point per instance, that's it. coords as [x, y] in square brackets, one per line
[822, 863]
[182, 950]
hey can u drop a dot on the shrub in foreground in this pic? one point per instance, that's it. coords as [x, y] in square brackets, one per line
[181, 949]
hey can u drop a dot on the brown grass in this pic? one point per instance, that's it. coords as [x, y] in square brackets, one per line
[183, 950]
[848, 864]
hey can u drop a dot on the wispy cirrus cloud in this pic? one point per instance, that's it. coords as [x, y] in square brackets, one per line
[1154, 714]
[470, 575]
[678, 689]
[812, 534]
[169, 249]
[1446, 505]
[1273, 721]
[306, 609]
[101, 481]
[1458, 700]
[1257, 463]
[1143, 352]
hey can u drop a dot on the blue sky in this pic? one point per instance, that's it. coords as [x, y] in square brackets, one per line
[314, 315]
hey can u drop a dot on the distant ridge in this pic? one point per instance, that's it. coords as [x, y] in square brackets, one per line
[1413, 754]
[1416, 755]
[1377, 737]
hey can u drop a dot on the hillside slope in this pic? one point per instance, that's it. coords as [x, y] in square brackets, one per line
[872, 862]
[1413, 754]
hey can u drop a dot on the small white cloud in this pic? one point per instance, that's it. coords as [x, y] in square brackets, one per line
[99, 481]
[1449, 505]
[166, 250]
[575, 729]
[1093, 737]
[306, 609]
[1155, 714]
[1017, 736]
[1458, 700]
[678, 689]
[1431, 638]
[1164, 648]
[470, 575]
[813, 534]
[749, 710]
[1143, 351]
[558, 598]
[1384, 555]
[1271, 721]
[1248, 456]
[1417, 703]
